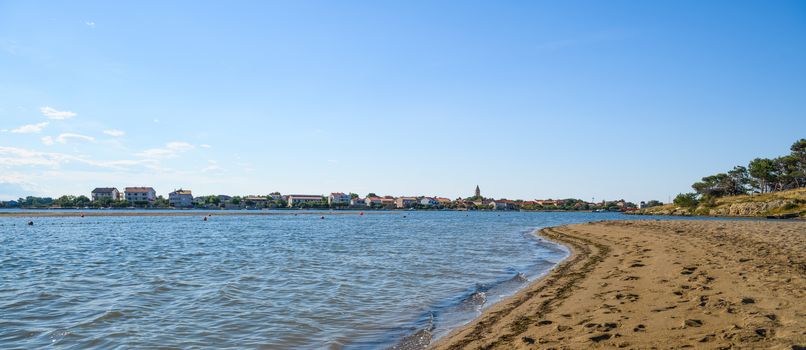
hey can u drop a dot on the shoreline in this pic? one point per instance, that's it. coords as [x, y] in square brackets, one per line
[633, 284]
[200, 213]
[423, 337]
[220, 212]
[463, 336]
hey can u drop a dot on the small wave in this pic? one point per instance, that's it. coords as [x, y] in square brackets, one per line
[474, 301]
[460, 309]
[109, 316]
[419, 339]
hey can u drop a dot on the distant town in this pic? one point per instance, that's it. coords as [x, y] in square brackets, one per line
[147, 198]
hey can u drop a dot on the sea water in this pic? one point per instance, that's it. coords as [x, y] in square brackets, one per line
[277, 282]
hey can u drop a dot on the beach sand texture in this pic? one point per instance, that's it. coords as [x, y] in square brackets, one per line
[658, 285]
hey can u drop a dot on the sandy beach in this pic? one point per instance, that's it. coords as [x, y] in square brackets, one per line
[658, 285]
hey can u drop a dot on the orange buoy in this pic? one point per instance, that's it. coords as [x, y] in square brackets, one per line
[362, 213]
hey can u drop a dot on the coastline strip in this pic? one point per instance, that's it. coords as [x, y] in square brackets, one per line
[662, 284]
[78, 213]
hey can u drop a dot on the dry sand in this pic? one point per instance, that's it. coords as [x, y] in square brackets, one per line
[658, 285]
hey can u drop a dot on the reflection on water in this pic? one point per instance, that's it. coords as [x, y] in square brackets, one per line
[286, 281]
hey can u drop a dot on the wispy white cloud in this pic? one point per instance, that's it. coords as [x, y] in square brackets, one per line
[13, 184]
[14, 157]
[30, 128]
[114, 132]
[53, 113]
[204, 145]
[212, 166]
[66, 137]
[90, 24]
[47, 140]
[171, 150]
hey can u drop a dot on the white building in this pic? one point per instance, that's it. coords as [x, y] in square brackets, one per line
[405, 202]
[181, 198]
[338, 198]
[255, 201]
[369, 201]
[296, 199]
[428, 201]
[140, 194]
[357, 202]
[105, 192]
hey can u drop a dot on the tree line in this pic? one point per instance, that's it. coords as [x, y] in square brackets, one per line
[761, 175]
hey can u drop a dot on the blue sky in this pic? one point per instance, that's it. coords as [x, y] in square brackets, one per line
[529, 99]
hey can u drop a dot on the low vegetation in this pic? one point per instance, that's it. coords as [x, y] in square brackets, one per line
[765, 187]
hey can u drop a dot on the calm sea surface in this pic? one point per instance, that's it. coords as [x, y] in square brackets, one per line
[285, 281]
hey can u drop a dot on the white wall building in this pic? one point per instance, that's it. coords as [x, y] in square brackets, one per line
[428, 201]
[105, 192]
[338, 198]
[369, 201]
[181, 198]
[405, 202]
[296, 199]
[140, 194]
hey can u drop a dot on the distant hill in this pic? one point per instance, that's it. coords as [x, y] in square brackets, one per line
[779, 203]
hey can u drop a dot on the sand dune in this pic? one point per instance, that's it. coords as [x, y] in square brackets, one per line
[658, 284]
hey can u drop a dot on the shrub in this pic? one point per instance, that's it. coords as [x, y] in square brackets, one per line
[686, 200]
[789, 206]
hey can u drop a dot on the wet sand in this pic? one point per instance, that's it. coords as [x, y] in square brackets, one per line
[658, 284]
[26, 214]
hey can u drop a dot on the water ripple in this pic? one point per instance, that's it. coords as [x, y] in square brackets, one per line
[348, 282]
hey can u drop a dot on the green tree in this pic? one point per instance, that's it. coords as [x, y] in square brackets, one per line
[739, 180]
[65, 201]
[799, 156]
[762, 173]
[786, 169]
[653, 203]
[82, 201]
[161, 202]
[686, 200]
[722, 184]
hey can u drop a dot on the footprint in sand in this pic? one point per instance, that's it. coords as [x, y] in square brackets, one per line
[692, 323]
